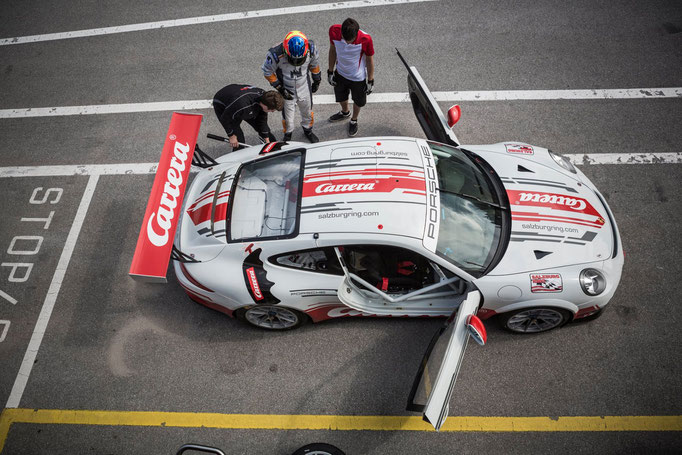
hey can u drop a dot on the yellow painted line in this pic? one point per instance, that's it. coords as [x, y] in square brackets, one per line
[332, 422]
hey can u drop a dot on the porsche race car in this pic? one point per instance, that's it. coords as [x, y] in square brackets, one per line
[285, 233]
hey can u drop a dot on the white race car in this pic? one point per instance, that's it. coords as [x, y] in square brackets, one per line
[280, 234]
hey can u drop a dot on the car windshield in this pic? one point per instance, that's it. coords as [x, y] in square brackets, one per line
[470, 211]
[266, 198]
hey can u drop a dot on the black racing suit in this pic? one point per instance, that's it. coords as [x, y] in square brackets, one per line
[236, 103]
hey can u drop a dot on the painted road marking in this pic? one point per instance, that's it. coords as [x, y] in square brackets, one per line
[473, 95]
[51, 298]
[203, 20]
[150, 168]
[334, 422]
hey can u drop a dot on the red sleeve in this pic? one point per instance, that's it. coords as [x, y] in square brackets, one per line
[335, 33]
[367, 43]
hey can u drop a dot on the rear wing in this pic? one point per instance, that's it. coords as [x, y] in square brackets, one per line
[155, 243]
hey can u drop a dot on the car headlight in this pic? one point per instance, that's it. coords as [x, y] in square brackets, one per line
[592, 281]
[563, 162]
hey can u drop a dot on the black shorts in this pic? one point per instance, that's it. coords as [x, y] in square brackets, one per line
[356, 89]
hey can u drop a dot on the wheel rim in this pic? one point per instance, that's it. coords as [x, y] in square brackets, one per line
[271, 317]
[535, 320]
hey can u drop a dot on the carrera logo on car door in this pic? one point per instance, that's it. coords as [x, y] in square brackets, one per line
[256, 280]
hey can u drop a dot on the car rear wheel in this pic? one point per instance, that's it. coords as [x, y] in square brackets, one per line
[272, 317]
[534, 320]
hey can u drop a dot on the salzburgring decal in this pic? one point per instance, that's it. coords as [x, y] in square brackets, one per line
[550, 228]
[519, 149]
[344, 215]
[546, 282]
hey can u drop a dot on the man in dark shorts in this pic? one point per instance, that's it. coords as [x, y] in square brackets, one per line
[351, 69]
[236, 103]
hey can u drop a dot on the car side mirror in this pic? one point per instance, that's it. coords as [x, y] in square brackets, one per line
[477, 329]
[454, 113]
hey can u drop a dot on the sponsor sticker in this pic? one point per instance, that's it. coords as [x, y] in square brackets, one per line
[554, 201]
[253, 282]
[520, 149]
[546, 282]
[256, 278]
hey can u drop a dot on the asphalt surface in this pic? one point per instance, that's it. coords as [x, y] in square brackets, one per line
[114, 344]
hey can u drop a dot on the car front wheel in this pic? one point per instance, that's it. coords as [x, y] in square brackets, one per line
[272, 317]
[534, 320]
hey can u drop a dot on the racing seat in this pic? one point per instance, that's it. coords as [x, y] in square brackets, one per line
[394, 270]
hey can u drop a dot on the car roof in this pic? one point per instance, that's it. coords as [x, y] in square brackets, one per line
[368, 185]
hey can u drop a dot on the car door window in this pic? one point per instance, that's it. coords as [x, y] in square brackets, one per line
[320, 260]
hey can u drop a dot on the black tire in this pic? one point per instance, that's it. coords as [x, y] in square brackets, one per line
[534, 320]
[319, 448]
[271, 317]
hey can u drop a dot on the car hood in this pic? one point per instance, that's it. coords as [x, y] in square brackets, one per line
[202, 233]
[557, 218]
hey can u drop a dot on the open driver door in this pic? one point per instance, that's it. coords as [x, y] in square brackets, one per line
[435, 380]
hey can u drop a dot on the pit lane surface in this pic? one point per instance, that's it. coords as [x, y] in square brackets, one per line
[114, 345]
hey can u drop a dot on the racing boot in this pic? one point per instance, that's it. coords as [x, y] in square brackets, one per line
[311, 136]
[287, 137]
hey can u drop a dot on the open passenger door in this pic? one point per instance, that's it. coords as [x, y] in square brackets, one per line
[435, 380]
[428, 113]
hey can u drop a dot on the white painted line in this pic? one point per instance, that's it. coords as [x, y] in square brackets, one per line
[8, 297]
[203, 20]
[625, 158]
[489, 95]
[86, 169]
[106, 109]
[51, 298]
[535, 95]
[150, 168]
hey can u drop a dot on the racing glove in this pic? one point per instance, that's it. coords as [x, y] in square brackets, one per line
[369, 86]
[286, 94]
[330, 78]
[315, 86]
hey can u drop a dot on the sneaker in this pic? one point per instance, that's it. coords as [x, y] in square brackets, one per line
[339, 116]
[311, 136]
[287, 137]
[353, 128]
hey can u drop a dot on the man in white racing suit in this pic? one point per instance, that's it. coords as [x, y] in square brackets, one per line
[289, 67]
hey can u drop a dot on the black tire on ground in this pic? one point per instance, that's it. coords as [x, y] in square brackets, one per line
[271, 317]
[319, 448]
[534, 320]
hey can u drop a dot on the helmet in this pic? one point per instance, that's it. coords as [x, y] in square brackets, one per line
[296, 47]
